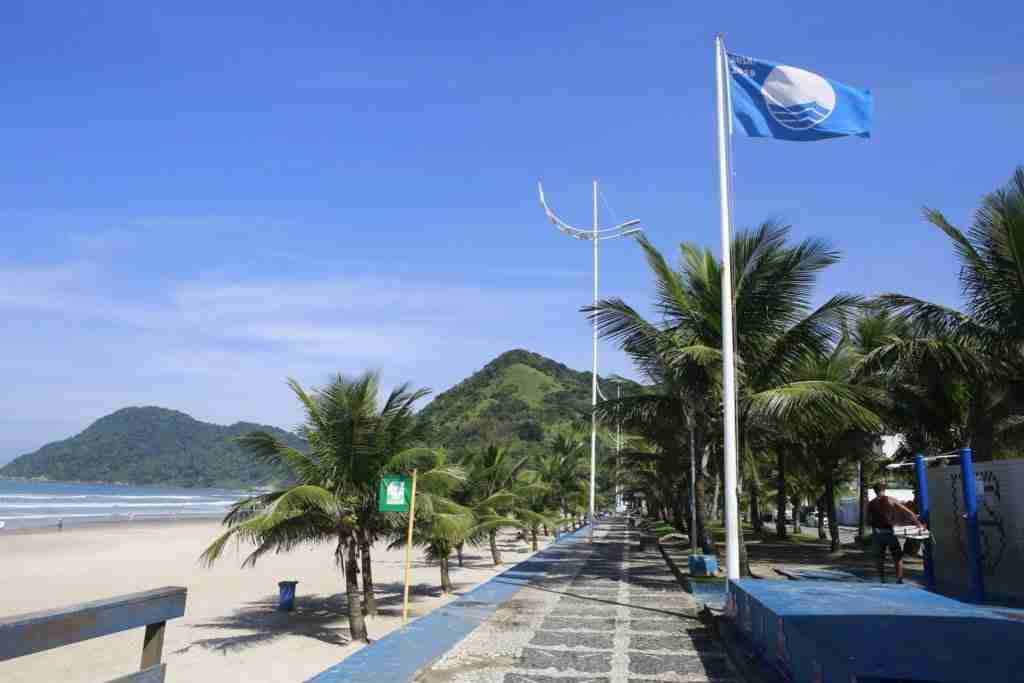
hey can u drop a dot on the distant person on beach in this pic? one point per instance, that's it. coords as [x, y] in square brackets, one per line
[884, 514]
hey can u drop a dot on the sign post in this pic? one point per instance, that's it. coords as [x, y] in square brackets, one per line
[398, 494]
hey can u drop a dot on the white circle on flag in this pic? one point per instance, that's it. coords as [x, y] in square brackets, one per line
[798, 99]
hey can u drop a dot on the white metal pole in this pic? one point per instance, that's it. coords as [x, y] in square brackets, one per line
[618, 447]
[593, 392]
[732, 530]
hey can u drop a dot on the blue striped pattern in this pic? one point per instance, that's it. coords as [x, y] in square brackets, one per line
[799, 116]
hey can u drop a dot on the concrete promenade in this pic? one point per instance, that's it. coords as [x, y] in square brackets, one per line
[602, 613]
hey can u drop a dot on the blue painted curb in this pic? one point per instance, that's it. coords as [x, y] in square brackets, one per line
[401, 654]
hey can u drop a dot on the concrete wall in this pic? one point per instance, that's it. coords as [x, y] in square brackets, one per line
[1000, 492]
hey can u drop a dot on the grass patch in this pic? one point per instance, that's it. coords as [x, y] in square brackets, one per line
[661, 529]
[766, 536]
[805, 539]
[530, 385]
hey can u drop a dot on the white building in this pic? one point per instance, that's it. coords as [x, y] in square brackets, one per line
[848, 511]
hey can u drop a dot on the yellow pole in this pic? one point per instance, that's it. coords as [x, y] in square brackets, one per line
[408, 551]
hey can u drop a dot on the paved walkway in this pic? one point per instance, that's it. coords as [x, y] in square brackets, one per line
[601, 613]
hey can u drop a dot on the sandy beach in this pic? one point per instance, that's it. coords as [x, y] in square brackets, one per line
[231, 630]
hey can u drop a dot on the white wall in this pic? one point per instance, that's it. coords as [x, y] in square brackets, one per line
[1000, 492]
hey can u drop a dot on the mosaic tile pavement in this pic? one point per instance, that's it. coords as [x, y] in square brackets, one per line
[605, 612]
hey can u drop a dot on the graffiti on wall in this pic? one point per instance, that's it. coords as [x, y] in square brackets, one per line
[999, 489]
[990, 520]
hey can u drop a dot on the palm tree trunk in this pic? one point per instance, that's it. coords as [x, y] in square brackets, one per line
[796, 515]
[533, 534]
[714, 500]
[369, 599]
[982, 435]
[356, 620]
[862, 495]
[679, 512]
[545, 527]
[495, 553]
[780, 496]
[830, 502]
[755, 501]
[458, 549]
[744, 558]
[744, 456]
[703, 537]
[446, 579]
[820, 506]
[983, 442]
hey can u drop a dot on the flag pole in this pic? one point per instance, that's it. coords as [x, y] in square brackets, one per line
[408, 551]
[732, 530]
[593, 387]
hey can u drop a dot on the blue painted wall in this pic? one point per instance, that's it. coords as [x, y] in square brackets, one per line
[807, 629]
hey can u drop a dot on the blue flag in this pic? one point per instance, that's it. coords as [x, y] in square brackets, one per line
[787, 103]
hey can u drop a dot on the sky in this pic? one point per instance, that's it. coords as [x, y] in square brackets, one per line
[199, 200]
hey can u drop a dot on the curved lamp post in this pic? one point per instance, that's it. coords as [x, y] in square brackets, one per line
[595, 235]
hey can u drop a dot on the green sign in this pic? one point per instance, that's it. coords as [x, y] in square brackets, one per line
[395, 493]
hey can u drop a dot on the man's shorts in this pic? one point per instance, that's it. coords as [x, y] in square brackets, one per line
[882, 539]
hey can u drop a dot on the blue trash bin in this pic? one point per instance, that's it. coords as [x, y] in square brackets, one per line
[286, 595]
[703, 565]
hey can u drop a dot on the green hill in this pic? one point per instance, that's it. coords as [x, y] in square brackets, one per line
[519, 399]
[152, 446]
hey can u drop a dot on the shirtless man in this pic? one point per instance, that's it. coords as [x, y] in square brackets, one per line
[883, 514]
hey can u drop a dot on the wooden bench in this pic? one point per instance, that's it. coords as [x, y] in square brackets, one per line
[27, 634]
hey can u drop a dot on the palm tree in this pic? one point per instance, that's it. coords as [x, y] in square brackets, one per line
[532, 491]
[873, 329]
[835, 445]
[317, 509]
[491, 476]
[352, 442]
[394, 428]
[667, 419]
[977, 351]
[440, 524]
[564, 469]
[776, 328]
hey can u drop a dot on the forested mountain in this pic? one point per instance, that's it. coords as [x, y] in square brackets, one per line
[153, 446]
[518, 400]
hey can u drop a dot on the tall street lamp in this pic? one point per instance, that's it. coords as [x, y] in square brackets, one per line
[617, 381]
[595, 235]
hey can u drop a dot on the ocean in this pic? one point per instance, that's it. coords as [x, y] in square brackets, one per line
[28, 504]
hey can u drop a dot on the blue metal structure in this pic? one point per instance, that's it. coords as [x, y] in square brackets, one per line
[924, 513]
[837, 632]
[977, 579]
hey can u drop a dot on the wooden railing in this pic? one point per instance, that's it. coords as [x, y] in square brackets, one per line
[27, 634]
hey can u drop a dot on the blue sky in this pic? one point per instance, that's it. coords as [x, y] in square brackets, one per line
[196, 205]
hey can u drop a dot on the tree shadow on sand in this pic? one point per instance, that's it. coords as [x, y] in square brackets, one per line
[323, 618]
